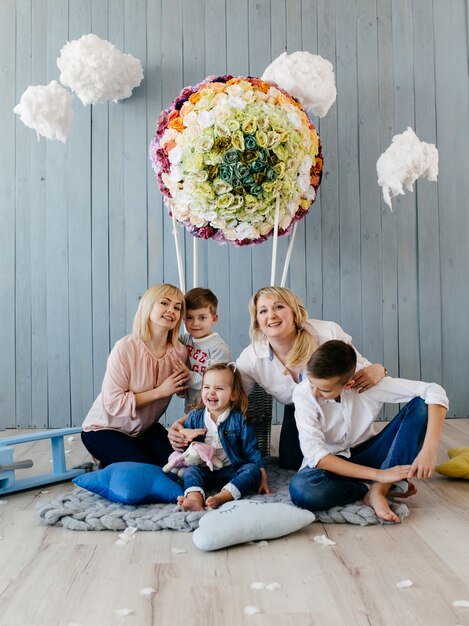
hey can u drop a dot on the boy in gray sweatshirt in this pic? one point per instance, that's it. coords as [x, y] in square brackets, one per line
[205, 347]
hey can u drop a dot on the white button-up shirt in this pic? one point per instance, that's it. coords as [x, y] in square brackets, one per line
[258, 364]
[330, 427]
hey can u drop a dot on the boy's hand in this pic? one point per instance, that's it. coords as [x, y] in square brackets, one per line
[263, 487]
[424, 464]
[393, 474]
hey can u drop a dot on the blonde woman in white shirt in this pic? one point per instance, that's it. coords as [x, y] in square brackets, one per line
[283, 340]
[341, 450]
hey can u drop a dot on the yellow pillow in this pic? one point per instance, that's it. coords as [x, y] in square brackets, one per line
[457, 466]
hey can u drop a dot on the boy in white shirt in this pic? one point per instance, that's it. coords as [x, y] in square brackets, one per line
[340, 447]
[204, 346]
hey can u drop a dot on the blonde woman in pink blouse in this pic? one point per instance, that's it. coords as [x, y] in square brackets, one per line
[143, 371]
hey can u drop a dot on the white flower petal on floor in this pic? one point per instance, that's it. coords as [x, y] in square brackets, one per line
[258, 585]
[47, 109]
[251, 610]
[127, 536]
[324, 540]
[124, 612]
[308, 77]
[406, 159]
[147, 591]
[97, 71]
[462, 604]
[404, 584]
[268, 586]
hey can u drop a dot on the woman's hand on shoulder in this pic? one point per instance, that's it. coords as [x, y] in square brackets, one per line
[368, 377]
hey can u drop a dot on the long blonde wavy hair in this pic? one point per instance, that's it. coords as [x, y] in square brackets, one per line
[305, 341]
[141, 325]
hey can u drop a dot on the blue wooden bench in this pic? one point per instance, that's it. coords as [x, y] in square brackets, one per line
[8, 481]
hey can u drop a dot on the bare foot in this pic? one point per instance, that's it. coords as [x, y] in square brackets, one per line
[213, 502]
[411, 491]
[192, 502]
[376, 498]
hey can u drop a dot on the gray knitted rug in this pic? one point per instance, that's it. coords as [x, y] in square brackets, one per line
[82, 510]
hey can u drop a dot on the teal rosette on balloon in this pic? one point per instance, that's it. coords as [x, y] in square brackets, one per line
[230, 151]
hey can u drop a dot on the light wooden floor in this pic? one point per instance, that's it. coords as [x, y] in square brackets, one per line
[50, 576]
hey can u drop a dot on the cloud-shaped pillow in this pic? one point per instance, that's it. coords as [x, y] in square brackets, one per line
[248, 520]
[457, 466]
[131, 483]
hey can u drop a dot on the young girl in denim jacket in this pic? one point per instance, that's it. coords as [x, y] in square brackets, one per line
[220, 420]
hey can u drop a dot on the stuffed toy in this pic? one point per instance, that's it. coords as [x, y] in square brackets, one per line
[458, 464]
[197, 453]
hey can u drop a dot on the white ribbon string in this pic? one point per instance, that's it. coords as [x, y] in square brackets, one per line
[288, 257]
[195, 262]
[274, 244]
[178, 255]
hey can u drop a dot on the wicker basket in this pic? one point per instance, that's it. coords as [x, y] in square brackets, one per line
[260, 417]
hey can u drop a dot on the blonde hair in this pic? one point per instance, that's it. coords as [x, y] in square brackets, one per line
[305, 342]
[141, 325]
[240, 400]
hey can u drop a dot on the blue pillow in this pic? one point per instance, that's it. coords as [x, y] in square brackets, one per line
[131, 483]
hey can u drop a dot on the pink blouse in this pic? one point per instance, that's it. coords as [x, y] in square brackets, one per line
[131, 368]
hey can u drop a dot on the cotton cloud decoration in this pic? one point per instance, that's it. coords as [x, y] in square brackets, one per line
[308, 77]
[97, 71]
[406, 159]
[47, 109]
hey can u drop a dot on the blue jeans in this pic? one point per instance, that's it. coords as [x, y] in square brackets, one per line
[397, 444]
[246, 478]
[111, 446]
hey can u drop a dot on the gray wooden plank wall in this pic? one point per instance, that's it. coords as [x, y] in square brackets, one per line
[84, 231]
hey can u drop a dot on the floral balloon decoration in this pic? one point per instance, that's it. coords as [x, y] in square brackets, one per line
[227, 151]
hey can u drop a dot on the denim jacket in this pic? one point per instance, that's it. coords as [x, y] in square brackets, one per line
[236, 436]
